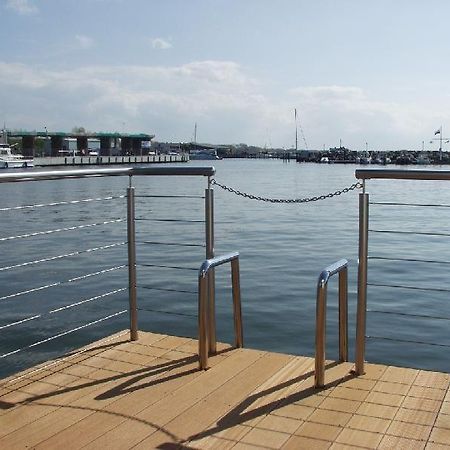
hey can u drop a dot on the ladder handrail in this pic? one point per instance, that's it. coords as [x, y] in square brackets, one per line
[321, 304]
[203, 304]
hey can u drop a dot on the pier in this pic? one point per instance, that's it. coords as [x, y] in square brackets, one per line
[149, 393]
[145, 389]
[102, 160]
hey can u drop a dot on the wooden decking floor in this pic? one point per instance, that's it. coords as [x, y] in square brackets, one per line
[150, 394]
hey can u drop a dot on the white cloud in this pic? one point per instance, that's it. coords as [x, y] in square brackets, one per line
[160, 44]
[22, 6]
[228, 104]
[83, 42]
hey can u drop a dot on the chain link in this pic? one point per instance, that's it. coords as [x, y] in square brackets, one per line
[357, 185]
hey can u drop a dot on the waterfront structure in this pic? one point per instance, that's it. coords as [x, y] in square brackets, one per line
[110, 143]
[148, 391]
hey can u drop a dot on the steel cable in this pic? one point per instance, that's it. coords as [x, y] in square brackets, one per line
[59, 230]
[63, 308]
[407, 341]
[43, 341]
[57, 257]
[70, 202]
[159, 311]
[59, 283]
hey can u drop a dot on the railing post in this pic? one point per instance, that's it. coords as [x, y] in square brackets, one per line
[235, 281]
[202, 322]
[343, 315]
[132, 264]
[362, 283]
[321, 312]
[209, 228]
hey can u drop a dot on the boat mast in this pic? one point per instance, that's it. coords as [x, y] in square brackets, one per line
[195, 133]
[296, 133]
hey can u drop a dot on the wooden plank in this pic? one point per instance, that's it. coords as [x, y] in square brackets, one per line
[233, 394]
[175, 402]
[51, 400]
[150, 393]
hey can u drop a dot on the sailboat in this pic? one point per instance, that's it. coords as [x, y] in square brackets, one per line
[204, 153]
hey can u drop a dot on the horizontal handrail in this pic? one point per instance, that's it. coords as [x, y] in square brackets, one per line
[331, 270]
[321, 305]
[217, 261]
[204, 325]
[397, 174]
[110, 172]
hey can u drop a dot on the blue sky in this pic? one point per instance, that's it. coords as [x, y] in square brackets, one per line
[357, 70]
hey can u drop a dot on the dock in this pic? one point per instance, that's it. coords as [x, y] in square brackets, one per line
[109, 160]
[149, 393]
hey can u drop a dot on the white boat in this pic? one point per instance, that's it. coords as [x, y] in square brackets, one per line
[8, 160]
[204, 154]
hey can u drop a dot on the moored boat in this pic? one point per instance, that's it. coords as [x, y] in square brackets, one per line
[204, 154]
[8, 160]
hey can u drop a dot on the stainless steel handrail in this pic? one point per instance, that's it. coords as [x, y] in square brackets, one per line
[86, 173]
[321, 306]
[397, 174]
[205, 311]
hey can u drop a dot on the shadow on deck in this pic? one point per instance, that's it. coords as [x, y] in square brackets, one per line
[150, 394]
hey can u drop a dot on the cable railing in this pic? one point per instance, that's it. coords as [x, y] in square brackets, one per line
[408, 275]
[43, 263]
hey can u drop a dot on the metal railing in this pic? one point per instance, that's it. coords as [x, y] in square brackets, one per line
[361, 316]
[339, 267]
[21, 318]
[206, 307]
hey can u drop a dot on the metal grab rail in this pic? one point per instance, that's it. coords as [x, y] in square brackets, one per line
[87, 173]
[398, 174]
[380, 174]
[206, 309]
[321, 305]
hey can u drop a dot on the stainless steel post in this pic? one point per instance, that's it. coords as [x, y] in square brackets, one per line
[132, 264]
[202, 322]
[209, 222]
[235, 281]
[321, 308]
[343, 315]
[362, 283]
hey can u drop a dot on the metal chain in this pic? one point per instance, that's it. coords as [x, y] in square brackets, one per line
[357, 185]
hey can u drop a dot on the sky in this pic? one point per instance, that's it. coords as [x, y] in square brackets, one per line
[357, 71]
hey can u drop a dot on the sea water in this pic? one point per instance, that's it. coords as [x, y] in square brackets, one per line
[283, 248]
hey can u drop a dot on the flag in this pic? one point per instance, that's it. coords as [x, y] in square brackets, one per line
[437, 132]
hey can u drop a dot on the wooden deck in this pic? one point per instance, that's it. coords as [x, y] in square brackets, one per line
[150, 394]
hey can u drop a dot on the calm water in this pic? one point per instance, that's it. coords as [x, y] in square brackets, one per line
[283, 248]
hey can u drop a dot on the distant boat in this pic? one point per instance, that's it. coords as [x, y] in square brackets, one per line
[204, 154]
[8, 160]
[423, 159]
